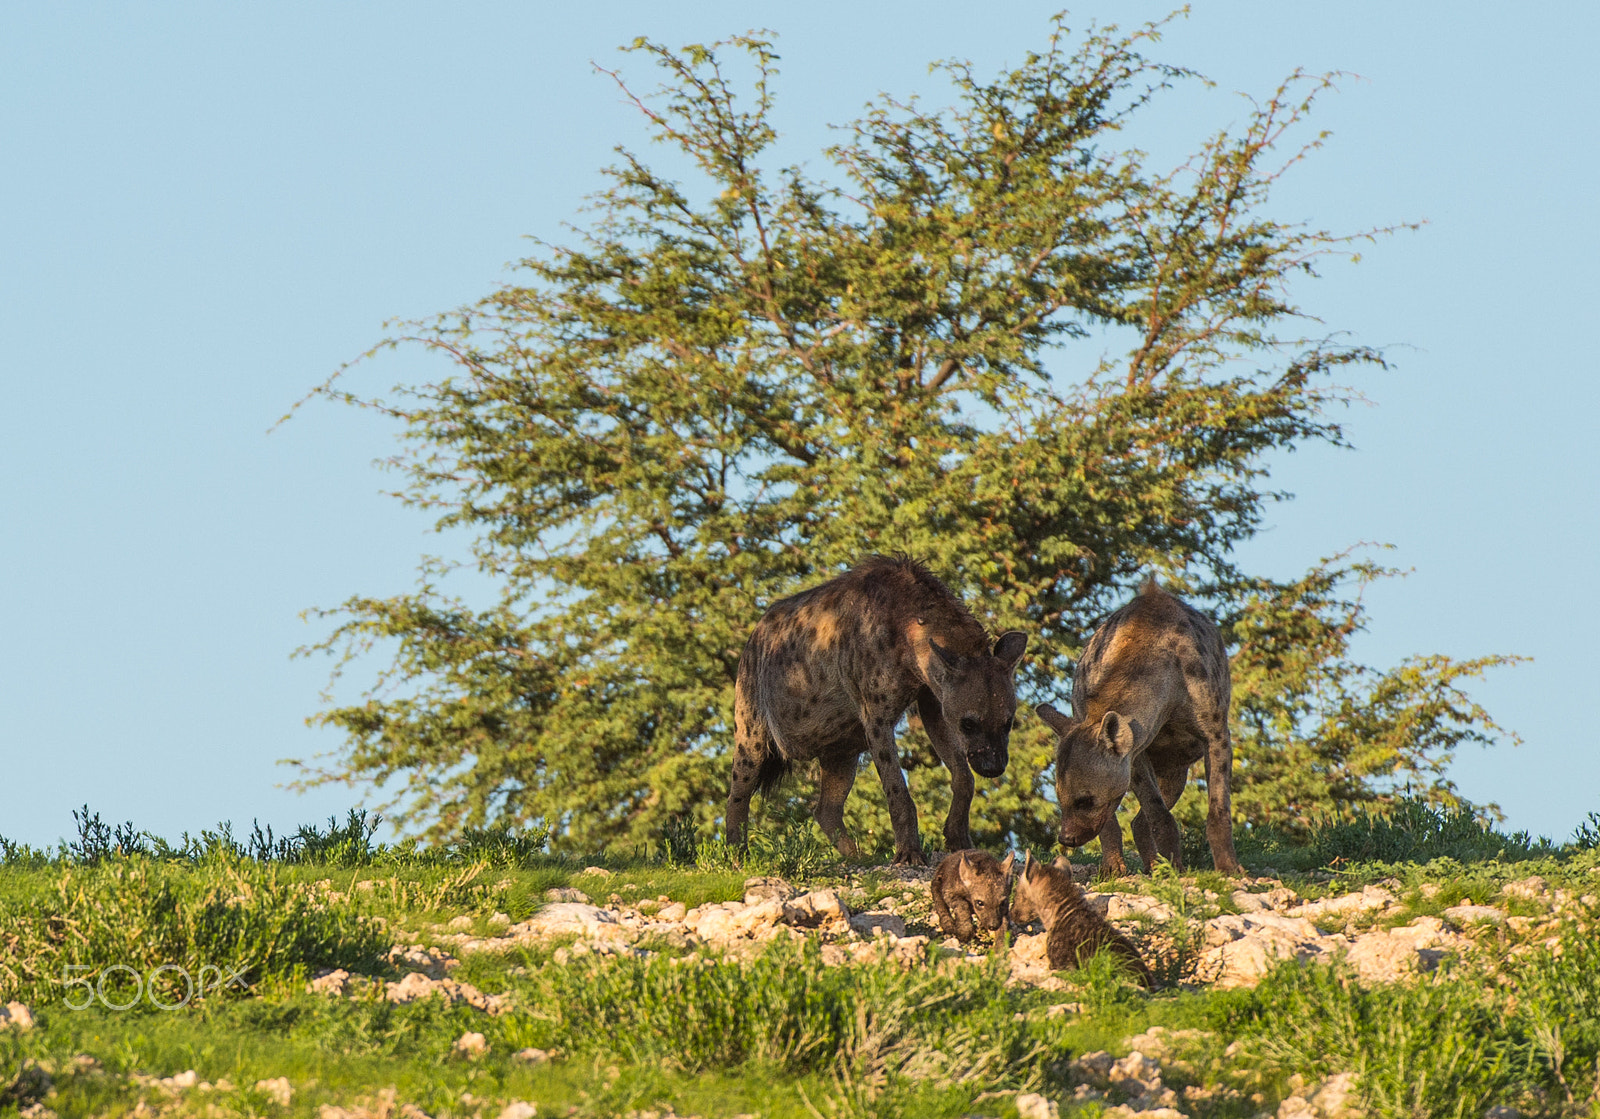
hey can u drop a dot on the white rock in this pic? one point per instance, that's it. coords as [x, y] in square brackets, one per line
[1124, 907]
[472, 1044]
[1031, 1105]
[1246, 902]
[1531, 888]
[565, 893]
[819, 909]
[278, 1089]
[531, 1056]
[1370, 897]
[870, 925]
[1469, 912]
[16, 1016]
[519, 1109]
[1386, 955]
[673, 912]
[600, 870]
[766, 886]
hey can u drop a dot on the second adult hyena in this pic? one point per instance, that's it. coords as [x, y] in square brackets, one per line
[1150, 698]
[829, 672]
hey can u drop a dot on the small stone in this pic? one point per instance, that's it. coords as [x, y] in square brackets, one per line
[519, 1109]
[16, 1016]
[870, 925]
[531, 1056]
[278, 1089]
[499, 920]
[1031, 1105]
[600, 870]
[765, 887]
[565, 893]
[472, 1045]
[1501, 1111]
[461, 922]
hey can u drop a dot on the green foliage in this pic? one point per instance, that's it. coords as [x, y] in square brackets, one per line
[729, 390]
[237, 916]
[1412, 830]
[1426, 1048]
[785, 1010]
[1587, 835]
[1315, 732]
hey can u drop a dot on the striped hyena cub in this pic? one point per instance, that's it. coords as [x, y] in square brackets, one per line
[1150, 698]
[829, 672]
[1075, 931]
[971, 891]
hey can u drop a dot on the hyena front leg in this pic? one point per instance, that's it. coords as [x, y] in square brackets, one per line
[1155, 832]
[957, 832]
[879, 726]
[1111, 861]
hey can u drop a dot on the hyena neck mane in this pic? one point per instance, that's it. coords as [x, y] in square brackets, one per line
[909, 593]
[1056, 892]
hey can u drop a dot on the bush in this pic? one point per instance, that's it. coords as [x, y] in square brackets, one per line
[142, 914]
[786, 1010]
[1412, 830]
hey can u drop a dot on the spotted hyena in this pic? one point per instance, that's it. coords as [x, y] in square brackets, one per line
[1076, 931]
[1150, 698]
[971, 890]
[829, 672]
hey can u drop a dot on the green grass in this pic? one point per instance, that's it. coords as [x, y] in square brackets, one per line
[779, 1034]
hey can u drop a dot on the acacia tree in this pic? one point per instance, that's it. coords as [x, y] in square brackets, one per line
[728, 390]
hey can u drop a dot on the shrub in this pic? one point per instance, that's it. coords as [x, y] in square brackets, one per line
[142, 914]
[785, 1009]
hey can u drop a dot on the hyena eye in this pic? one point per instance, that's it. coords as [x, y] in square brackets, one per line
[969, 724]
[1084, 802]
[978, 904]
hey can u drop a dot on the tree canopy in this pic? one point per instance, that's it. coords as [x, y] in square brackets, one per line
[990, 336]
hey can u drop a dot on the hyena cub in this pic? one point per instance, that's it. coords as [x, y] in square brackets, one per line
[971, 890]
[1076, 932]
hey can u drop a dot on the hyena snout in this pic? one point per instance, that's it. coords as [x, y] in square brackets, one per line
[988, 760]
[1078, 828]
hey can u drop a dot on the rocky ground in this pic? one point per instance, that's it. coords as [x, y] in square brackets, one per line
[1193, 937]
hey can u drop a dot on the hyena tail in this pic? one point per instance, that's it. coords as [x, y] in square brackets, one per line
[773, 770]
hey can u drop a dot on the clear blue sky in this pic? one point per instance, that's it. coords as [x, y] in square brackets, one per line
[206, 208]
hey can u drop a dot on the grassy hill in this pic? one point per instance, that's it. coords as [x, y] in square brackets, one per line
[1417, 965]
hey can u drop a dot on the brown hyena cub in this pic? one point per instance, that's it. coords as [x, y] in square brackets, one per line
[1075, 931]
[970, 892]
[1150, 698]
[829, 672]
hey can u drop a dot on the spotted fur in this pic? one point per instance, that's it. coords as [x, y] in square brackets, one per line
[828, 673]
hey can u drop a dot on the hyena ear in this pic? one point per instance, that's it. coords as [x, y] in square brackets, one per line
[1009, 647]
[1027, 866]
[1053, 719]
[1116, 734]
[964, 869]
[1006, 867]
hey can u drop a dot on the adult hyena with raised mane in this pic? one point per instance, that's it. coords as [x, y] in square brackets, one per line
[829, 672]
[1150, 698]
